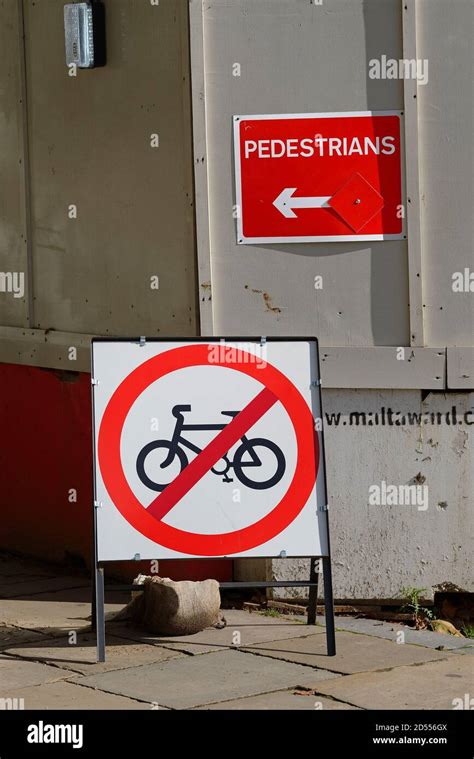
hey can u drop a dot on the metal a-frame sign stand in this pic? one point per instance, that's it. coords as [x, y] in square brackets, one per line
[98, 579]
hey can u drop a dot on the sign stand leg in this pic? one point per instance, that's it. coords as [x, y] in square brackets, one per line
[100, 612]
[313, 591]
[93, 581]
[329, 607]
[93, 605]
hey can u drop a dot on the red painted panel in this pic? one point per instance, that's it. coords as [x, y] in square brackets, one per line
[45, 454]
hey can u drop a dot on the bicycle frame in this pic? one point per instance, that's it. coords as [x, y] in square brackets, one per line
[179, 439]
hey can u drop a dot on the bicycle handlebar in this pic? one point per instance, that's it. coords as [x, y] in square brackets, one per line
[177, 410]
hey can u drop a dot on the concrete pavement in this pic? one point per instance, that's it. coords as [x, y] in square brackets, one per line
[47, 658]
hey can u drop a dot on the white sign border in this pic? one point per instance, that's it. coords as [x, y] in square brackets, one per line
[242, 240]
[321, 481]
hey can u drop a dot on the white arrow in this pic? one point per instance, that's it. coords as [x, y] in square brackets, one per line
[286, 202]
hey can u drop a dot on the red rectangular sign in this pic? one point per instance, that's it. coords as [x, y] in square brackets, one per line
[319, 177]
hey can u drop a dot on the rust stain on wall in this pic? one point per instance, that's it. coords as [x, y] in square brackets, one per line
[267, 299]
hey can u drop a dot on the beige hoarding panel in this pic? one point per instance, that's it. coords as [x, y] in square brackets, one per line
[413, 205]
[446, 42]
[198, 80]
[460, 368]
[37, 347]
[291, 56]
[111, 173]
[384, 367]
[380, 367]
[13, 236]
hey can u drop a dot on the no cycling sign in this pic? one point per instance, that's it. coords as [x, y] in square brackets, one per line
[208, 448]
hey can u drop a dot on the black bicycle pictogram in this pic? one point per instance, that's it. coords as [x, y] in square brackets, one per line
[178, 442]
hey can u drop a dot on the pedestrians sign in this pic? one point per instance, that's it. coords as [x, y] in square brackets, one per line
[208, 448]
[319, 177]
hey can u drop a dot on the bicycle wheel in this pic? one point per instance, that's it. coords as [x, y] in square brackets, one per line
[239, 464]
[154, 446]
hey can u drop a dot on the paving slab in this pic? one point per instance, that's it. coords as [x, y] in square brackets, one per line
[21, 567]
[32, 585]
[253, 628]
[12, 636]
[390, 631]
[355, 653]
[64, 695]
[18, 674]
[188, 681]
[55, 613]
[81, 657]
[12, 579]
[429, 686]
[281, 699]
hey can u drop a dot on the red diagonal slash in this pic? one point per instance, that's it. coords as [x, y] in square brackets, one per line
[212, 453]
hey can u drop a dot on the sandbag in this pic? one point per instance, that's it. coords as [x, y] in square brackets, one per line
[166, 607]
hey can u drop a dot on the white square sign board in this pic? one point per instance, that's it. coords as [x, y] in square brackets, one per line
[208, 448]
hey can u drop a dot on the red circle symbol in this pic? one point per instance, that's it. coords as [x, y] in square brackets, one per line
[197, 544]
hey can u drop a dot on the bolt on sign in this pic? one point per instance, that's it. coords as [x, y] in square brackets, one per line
[319, 177]
[208, 448]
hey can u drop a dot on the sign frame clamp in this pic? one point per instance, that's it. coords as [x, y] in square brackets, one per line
[322, 526]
